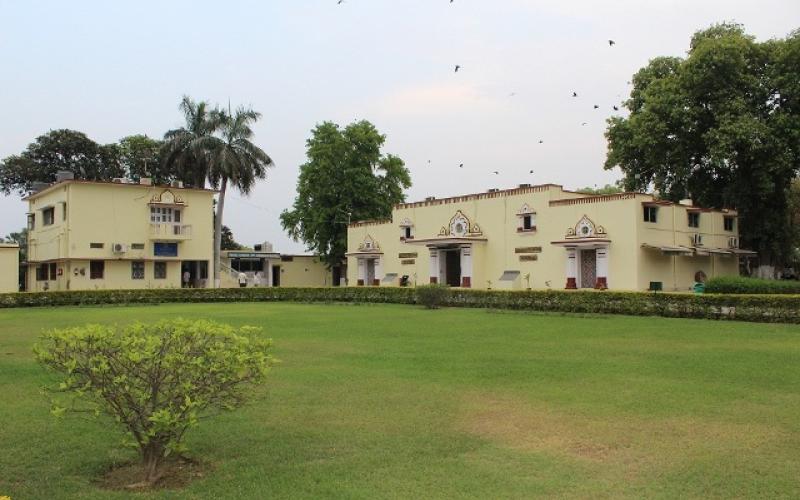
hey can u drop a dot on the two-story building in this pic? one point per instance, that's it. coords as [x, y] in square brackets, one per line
[543, 237]
[9, 267]
[105, 235]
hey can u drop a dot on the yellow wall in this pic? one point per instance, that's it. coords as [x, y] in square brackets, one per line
[630, 267]
[304, 271]
[107, 213]
[9, 268]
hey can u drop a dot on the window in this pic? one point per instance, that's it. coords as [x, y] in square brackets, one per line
[651, 214]
[41, 272]
[96, 245]
[31, 222]
[527, 223]
[137, 270]
[164, 214]
[53, 271]
[161, 249]
[728, 223]
[694, 219]
[137, 246]
[287, 258]
[96, 269]
[407, 234]
[48, 216]
[160, 270]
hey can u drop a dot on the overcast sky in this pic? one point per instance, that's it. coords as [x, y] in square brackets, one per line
[112, 69]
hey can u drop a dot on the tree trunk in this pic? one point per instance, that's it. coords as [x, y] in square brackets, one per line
[152, 455]
[218, 232]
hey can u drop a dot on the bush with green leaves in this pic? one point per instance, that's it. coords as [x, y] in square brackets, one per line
[741, 284]
[156, 380]
[432, 296]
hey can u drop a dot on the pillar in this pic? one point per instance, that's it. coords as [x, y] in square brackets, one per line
[376, 280]
[572, 269]
[362, 271]
[466, 267]
[601, 260]
[434, 265]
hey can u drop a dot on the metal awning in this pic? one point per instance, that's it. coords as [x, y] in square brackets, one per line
[669, 249]
[719, 251]
[365, 255]
[743, 253]
[509, 276]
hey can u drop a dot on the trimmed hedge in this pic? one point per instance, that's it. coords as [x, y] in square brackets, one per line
[740, 284]
[761, 308]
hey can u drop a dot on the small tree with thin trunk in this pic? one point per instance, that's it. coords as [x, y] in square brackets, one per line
[156, 380]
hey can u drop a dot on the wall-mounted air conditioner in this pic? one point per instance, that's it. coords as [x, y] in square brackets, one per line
[697, 240]
[733, 242]
[119, 248]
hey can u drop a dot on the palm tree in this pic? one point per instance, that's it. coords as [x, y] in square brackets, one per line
[187, 150]
[234, 160]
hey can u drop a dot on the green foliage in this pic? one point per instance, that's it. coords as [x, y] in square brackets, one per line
[762, 308]
[185, 152]
[58, 150]
[721, 126]
[607, 189]
[155, 380]
[20, 238]
[740, 284]
[141, 157]
[346, 178]
[432, 296]
[228, 241]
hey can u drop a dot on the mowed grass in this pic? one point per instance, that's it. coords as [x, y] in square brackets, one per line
[401, 402]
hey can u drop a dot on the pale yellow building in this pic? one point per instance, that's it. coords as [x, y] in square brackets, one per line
[87, 235]
[542, 237]
[262, 267]
[9, 267]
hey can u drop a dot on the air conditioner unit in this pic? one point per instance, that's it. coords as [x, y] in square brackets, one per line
[119, 248]
[697, 240]
[733, 242]
[176, 184]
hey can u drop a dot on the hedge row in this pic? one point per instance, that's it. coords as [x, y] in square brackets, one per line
[737, 284]
[761, 308]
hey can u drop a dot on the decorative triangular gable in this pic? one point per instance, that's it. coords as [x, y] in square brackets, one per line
[368, 245]
[586, 228]
[460, 226]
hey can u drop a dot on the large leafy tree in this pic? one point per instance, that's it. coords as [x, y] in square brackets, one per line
[59, 150]
[141, 157]
[346, 178]
[228, 241]
[721, 126]
[233, 161]
[187, 150]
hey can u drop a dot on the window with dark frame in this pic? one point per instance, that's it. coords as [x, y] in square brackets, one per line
[48, 216]
[31, 222]
[160, 270]
[53, 271]
[137, 270]
[650, 214]
[41, 272]
[694, 219]
[407, 232]
[137, 246]
[728, 221]
[96, 245]
[527, 223]
[97, 269]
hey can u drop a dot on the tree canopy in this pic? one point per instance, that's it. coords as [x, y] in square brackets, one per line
[346, 178]
[721, 126]
[607, 189]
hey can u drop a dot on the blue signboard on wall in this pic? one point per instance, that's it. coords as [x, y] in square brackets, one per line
[165, 249]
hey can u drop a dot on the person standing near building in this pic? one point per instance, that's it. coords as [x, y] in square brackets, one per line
[257, 280]
[242, 280]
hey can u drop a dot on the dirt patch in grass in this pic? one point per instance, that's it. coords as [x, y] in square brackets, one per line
[177, 473]
[630, 446]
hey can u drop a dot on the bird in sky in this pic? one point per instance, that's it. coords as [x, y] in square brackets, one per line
[458, 67]
[512, 94]
[460, 165]
[496, 172]
[596, 106]
[340, 2]
[611, 43]
[615, 108]
[583, 124]
[530, 172]
[574, 94]
[541, 141]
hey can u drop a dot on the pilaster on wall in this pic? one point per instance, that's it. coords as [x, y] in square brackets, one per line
[602, 268]
[572, 269]
[434, 266]
[466, 266]
[362, 271]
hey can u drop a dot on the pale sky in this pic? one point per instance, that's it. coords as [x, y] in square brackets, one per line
[112, 69]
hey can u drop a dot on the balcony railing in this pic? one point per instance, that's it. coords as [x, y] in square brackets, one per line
[168, 231]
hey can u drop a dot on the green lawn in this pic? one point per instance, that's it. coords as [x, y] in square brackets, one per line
[401, 402]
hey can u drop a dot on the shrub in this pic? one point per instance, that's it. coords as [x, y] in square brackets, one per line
[155, 380]
[432, 296]
[740, 284]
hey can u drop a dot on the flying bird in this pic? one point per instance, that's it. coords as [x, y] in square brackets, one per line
[496, 172]
[512, 94]
[583, 124]
[541, 141]
[611, 43]
[574, 94]
[615, 108]
[458, 67]
[530, 172]
[596, 106]
[460, 165]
